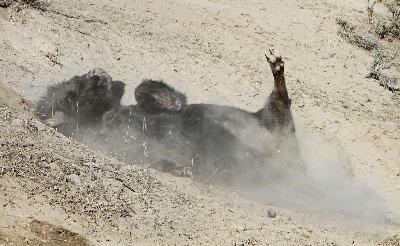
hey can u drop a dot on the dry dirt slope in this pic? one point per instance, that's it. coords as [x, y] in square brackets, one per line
[213, 51]
[56, 192]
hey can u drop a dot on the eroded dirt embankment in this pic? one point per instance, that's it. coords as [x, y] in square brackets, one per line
[213, 51]
[54, 190]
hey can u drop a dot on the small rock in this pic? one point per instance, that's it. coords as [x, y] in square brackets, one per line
[271, 213]
[56, 120]
[76, 179]
[2, 171]
[92, 164]
[41, 127]
[17, 122]
[5, 3]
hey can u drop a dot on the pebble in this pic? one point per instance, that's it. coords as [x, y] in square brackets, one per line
[17, 122]
[76, 179]
[271, 213]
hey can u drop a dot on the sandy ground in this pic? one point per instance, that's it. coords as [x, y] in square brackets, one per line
[213, 51]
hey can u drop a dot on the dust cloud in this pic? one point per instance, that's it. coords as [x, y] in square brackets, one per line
[300, 170]
[325, 184]
[305, 171]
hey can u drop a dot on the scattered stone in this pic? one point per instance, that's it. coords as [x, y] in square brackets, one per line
[5, 3]
[271, 213]
[76, 179]
[2, 171]
[93, 164]
[17, 122]
[56, 120]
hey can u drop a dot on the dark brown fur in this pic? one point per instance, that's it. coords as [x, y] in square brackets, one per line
[216, 141]
[82, 99]
[207, 133]
[154, 96]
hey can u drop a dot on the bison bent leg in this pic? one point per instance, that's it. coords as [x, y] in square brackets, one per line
[154, 97]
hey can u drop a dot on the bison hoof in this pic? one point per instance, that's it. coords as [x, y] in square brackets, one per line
[275, 62]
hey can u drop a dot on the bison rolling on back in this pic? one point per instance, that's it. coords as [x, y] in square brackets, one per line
[219, 143]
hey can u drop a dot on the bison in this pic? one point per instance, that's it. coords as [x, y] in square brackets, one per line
[219, 143]
[80, 101]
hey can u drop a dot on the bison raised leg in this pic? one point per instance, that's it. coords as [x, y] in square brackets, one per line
[276, 115]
